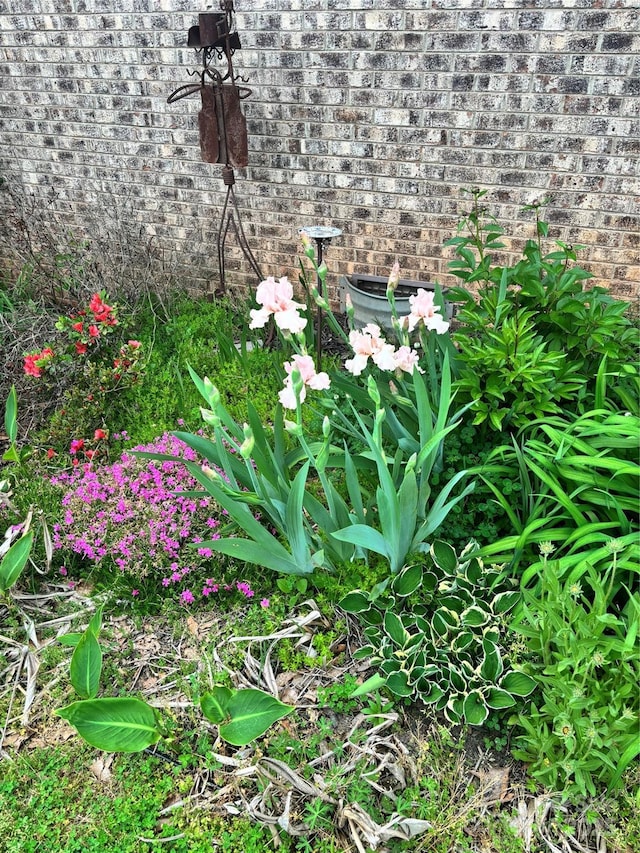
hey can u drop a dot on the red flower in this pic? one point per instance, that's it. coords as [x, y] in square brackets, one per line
[96, 303]
[77, 326]
[81, 348]
[99, 434]
[35, 362]
[76, 445]
[134, 344]
[94, 331]
[89, 454]
[30, 366]
[50, 453]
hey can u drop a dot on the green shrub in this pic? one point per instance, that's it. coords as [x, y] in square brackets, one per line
[535, 341]
[435, 632]
[578, 484]
[582, 733]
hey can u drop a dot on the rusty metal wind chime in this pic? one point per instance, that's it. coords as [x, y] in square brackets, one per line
[222, 126]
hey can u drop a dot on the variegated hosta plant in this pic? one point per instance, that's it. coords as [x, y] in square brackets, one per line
[435, 632]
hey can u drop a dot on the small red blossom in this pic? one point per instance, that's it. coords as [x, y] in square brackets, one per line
[81, 348]
[50, 453]
[89, 454]
[94, 331]
[99, 434]
[76, 445]
[36, 361]
[77, 326]
[134, 344]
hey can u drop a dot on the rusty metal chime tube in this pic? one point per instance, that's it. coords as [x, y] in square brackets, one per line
[222, 126]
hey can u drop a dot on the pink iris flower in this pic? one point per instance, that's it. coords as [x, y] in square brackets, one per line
[367, 344]
[276, 298]
[306, 368]
[424, 309]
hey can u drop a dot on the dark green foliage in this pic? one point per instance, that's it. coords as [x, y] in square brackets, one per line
[435, 632]
[536, 341]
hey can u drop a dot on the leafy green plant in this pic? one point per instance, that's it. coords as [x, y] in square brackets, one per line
[127, 724]
[578, 481]
[535, 340]
[583, 732]
[435, 632]
[13, 561]
[13, 453]
[405, 513]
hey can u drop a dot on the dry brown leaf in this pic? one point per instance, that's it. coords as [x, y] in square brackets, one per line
[192, 627]
[101, 767]
[494, 785]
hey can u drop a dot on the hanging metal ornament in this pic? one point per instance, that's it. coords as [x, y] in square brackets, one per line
[222, 126]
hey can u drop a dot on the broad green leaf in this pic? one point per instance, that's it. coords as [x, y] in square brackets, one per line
[71, 639]
[444, 556]
[96, 622]
[498, 699]
[215, 704]
[408, 581]
[251, 712]
[433, 695]
[505, 601]
[11, 415]
[354, 602]
[86, 666]
[492, 666]
[14, 561]
[395, 629]
[398, 684]
[518, 684]
[474, 709]
[474, 616]
[114, 725]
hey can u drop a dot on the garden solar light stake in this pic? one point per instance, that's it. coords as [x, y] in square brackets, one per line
[223, 129]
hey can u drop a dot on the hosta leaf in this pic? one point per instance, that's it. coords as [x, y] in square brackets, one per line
[429, 582]
[434, 695]
[398, 684]
[395, 629]
[518, 684]
[474, 709]
[498, 699]
[408, 581]
[354, 602]
[113, 725]
[505, 601]
[492, 667]
[444, 556]
[364, 653]
[474, 617]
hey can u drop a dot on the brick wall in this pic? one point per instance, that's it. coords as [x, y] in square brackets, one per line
[368, 115]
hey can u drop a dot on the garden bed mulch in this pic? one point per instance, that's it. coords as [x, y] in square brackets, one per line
[385, 751]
